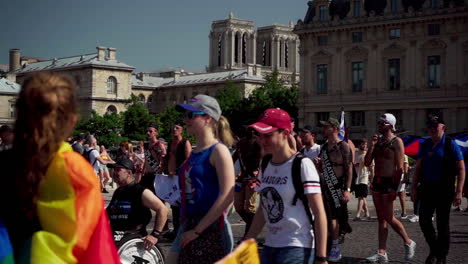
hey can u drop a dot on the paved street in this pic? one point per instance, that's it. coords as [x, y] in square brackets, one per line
[363, 241]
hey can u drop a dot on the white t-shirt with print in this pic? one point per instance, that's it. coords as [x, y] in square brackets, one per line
[313, 152]
[92, 158]
[287, 225]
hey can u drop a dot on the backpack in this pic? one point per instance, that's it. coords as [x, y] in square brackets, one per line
[87, 156]
[297, 182]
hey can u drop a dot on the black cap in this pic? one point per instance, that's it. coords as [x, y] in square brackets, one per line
[123, 163]
[435, 120]
[308, 129]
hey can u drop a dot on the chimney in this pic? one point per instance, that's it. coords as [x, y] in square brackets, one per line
[101, 53]
[176, 76]
[15, 56]
[112, 53]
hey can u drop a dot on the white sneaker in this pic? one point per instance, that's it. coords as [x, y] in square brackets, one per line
[381, 258]
[335, 254]
[414, 219]
[409, 250]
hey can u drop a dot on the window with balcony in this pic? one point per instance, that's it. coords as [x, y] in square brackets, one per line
[322, 40]
[394, 74]
[322, 116]
[433, 74]
[433, 29]
[394, 33]
[357, 37]
[358, 118]
[357, 76]
[322, 72]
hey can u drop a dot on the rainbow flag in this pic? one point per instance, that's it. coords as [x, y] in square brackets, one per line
[6, 252]
[70, 208]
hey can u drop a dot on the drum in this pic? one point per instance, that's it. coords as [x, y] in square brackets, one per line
[131, 251]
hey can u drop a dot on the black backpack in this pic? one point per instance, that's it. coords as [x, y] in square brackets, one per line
[87, 156]
[297, 182]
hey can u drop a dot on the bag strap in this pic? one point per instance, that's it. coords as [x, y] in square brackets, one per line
[299, 187]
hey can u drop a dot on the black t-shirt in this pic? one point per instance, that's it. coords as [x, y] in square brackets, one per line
[126, 210]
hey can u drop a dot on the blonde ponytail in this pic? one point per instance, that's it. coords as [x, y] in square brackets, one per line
[223, 132]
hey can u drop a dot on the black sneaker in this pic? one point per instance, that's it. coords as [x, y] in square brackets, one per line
[430, 259]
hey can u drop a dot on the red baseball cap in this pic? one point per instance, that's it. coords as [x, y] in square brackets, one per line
[272, 119]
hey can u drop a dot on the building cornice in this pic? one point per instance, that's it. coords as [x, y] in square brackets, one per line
[389, 20]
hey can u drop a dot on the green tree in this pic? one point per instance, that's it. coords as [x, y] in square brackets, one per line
[229, 98]
[166, 120]
[273, 93]
[106, 128]
[136, 120]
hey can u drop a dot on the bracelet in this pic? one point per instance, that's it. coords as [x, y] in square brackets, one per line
[156, 234]
[320, 258]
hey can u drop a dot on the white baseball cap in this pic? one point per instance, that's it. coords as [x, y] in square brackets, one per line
[389, 119]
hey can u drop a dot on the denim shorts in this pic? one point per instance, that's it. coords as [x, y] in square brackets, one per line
[228, 238]
[287, 255]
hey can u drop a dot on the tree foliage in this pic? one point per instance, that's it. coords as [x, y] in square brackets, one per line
[136, 120]
[107, 128]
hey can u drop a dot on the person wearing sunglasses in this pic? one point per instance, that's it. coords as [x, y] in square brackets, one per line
[387, 151]
[290, 235]
[439, 164]
[206, 182]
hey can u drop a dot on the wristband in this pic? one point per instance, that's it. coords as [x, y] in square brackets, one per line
[156, 234]
[319, 258]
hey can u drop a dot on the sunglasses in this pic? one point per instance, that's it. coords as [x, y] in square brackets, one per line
[432, 125]
[192, 115]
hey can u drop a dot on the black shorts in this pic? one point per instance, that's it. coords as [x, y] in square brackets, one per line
[147, 181]
[361, 191]
[383, 185]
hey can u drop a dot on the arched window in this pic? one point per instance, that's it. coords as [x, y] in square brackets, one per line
[111, 85]
[111, 109]
[244, 48]
[236, 48]
[141, 98]
[220, 49]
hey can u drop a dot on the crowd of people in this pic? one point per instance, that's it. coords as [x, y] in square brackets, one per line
[278, 181]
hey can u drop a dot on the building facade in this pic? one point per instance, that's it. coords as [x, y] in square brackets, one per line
[8, 93]
[234, 43]
[409, 58]
[104, 83]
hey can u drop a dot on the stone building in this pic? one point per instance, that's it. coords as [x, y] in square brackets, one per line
[409, 58]
[104, 82]
[8, 93]
[234, 43]
[180, 89]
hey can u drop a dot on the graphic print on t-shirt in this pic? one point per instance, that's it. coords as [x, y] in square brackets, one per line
[273, 204]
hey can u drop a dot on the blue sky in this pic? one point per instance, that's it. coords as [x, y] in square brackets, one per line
[148, 34]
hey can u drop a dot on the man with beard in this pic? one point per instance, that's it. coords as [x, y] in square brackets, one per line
[387, 151]
[335, 159]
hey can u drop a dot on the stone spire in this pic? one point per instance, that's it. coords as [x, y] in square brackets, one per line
[231, 15]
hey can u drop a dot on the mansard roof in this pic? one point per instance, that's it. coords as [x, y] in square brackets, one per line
[88, 60]
[214, 77]
[7, 86]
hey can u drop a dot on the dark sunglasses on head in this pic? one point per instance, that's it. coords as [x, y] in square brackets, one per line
[192, 115]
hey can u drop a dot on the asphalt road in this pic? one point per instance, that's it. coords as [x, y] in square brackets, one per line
[362, 242]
